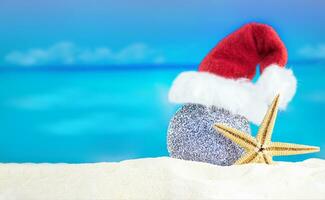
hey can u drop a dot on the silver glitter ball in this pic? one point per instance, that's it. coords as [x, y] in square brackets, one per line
[191, 135]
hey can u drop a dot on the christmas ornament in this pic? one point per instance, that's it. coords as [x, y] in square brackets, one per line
[191, 135]
[222, 91]
[261, 149]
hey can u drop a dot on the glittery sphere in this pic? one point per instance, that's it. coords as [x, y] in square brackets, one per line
[191, 135]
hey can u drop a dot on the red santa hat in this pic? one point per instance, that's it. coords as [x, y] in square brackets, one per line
[224, 78]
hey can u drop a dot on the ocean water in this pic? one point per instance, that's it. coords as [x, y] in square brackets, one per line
[78, 116]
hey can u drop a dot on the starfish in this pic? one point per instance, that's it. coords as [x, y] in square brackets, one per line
[261, 149]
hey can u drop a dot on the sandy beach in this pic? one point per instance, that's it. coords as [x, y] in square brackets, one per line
[163, 178]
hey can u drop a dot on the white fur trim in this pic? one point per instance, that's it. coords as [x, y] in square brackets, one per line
[239, 96]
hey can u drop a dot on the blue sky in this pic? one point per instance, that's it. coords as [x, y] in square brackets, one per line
[68, 32]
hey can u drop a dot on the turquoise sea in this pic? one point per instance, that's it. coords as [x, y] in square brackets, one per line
[78, 115]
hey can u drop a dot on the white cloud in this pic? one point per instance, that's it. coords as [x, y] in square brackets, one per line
[317, 51]
[67, 53]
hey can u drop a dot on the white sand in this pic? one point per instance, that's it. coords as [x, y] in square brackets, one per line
[162, 178]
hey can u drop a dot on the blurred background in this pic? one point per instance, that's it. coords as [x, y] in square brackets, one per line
[87, 80]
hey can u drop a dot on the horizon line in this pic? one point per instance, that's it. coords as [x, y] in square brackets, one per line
[130, 67]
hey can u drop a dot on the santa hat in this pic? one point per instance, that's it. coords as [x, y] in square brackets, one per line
[224, 77]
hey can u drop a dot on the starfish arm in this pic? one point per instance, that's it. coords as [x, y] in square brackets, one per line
[282, 149]
[241, 138]
[249, 157]
[266, 158]
[265, 131]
